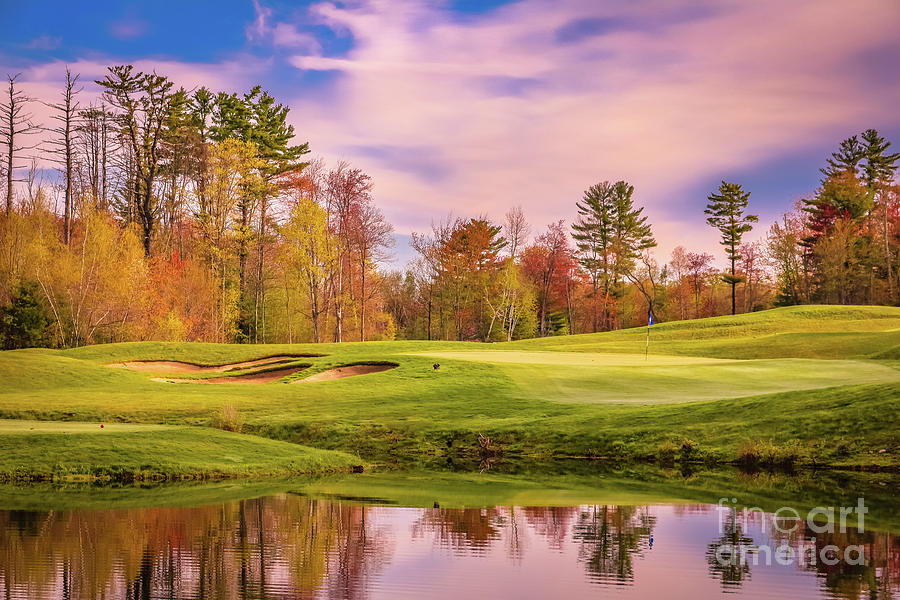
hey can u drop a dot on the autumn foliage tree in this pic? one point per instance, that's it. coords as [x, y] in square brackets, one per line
[180, 214]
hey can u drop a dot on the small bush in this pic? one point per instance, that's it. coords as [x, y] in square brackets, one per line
[761, 453]
[688, 449]
[665, 452]
[228, 419]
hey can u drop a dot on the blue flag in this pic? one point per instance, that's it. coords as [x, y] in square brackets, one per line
[649, 319]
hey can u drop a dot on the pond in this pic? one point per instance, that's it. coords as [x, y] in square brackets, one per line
[312, 540]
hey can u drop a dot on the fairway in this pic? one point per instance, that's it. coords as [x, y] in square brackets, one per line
[12, 426]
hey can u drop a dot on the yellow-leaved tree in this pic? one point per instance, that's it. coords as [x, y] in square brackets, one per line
[224, 220]
[309, 257]
[95, 287]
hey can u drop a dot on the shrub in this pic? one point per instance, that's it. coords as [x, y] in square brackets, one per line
[688, 449]
[761, 453]
[665, 452]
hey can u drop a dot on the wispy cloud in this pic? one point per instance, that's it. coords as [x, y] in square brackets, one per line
[256, 29]
[286, 35]
[44, 42]
[289, 37]
[128, 28]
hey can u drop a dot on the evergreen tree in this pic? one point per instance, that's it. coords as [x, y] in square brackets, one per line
[256, 118]
[24, 320]
[878, 173]
[726, 213]
[846, 159]
[610, 234]
[592, 232]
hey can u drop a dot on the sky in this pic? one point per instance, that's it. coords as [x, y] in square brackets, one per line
[471, 107]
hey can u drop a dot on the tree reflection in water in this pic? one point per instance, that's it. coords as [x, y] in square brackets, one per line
[730, 555]
[278, 547]
[831, 556]
[295, 547]
[610, 537]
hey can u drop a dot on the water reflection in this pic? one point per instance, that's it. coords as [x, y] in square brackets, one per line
[610, 536]
[290, 546]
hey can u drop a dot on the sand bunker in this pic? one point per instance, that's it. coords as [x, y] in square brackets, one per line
[250, 378]
[168, 366]
[348, 371]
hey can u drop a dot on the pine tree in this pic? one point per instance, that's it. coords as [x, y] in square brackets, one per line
[726, 213]
[878, 172]
[846, 159]
[255, 117]
[610, 235]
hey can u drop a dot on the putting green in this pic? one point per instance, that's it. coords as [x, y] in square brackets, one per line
[576, 378]
[576, 358]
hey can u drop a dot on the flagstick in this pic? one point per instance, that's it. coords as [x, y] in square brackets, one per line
[647, 349]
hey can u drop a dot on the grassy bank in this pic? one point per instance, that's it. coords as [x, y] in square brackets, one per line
[39, 450]
[787, 387]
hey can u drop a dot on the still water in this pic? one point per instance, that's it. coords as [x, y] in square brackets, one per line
[292, 546]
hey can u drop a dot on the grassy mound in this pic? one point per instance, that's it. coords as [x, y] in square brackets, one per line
[39, 450]
[825, 332]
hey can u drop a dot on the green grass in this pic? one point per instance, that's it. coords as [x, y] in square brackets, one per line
[798, 385]
[63, 450]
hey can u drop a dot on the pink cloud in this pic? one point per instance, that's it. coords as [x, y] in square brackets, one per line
[663, 106]
[287, 36]
[43, 83]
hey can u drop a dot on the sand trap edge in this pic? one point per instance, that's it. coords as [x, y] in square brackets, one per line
[345, 371]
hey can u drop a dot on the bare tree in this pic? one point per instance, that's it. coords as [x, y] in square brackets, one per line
[142, 102]
[372, 236]
[66, 114]
[517, 230]
[15, 123]
[346, 187]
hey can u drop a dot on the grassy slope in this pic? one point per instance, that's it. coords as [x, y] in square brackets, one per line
[36, 450]
[539, 404]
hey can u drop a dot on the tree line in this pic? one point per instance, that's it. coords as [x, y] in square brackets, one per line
[195, 215]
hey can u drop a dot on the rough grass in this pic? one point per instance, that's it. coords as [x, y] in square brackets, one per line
[802, 380]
